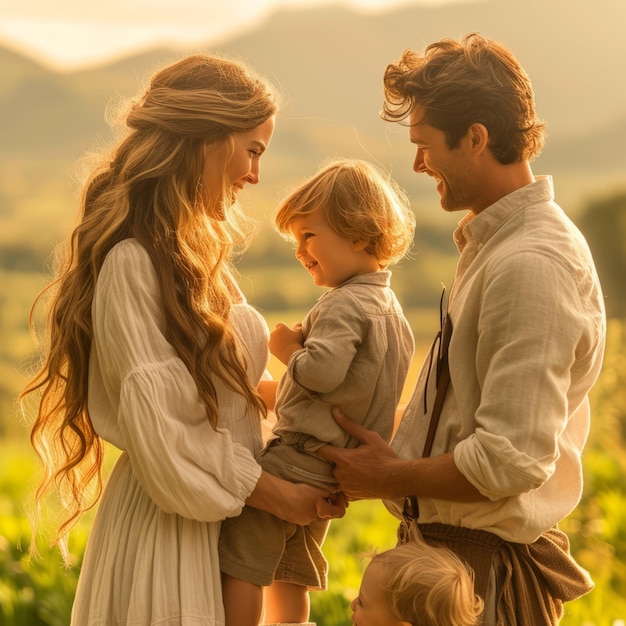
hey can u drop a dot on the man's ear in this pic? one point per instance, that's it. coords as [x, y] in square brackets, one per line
[478, 136]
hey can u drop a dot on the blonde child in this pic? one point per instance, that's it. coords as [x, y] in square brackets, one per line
[416, 584]
[353, 349]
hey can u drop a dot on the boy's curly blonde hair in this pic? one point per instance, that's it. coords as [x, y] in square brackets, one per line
[360, 203]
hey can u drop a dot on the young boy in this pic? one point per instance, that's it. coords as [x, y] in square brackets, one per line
[353, 349]
[416, 583]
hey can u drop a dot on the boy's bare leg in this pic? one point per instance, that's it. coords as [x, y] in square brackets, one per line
[243, 602]
[286, 603]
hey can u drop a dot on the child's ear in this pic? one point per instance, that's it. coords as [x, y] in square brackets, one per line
[357, 246]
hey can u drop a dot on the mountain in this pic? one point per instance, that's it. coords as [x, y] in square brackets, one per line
[574, 53]
[328, 63]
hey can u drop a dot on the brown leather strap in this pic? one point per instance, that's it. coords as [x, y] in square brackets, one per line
[411, 506]
[442, 387]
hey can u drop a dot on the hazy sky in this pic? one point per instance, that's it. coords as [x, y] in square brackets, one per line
[75, 33]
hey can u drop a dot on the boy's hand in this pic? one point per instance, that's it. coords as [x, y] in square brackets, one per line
[284, 341]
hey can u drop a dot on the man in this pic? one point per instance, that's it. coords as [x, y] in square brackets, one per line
[528, 337]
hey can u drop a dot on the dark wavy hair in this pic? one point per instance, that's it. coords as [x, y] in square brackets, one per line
[458, 84]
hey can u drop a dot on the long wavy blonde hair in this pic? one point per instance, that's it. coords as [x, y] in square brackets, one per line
[148, 188]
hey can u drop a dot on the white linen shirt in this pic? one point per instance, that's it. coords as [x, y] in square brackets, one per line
[527, 344]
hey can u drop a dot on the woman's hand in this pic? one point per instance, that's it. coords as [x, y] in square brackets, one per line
[267, 391]
[297, 503]
[333, 506]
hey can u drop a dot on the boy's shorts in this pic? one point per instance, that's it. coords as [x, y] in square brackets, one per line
[260, 548]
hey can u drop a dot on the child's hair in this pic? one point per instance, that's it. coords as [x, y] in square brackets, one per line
[360, 203]
[429, 586]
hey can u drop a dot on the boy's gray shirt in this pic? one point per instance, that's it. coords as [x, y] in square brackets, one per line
[357, 351]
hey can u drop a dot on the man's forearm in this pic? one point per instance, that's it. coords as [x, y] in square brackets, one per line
[432, 477]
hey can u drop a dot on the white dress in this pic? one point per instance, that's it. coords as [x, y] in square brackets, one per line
[151, 557]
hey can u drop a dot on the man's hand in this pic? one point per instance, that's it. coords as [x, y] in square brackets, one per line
[363, 472]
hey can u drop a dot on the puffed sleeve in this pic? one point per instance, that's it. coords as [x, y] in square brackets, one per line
[185, 465]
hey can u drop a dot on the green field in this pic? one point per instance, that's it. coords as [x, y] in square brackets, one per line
[40, 592]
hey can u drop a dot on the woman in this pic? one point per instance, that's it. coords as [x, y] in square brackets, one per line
[153, 348]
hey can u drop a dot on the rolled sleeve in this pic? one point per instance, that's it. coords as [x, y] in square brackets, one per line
[496, 468]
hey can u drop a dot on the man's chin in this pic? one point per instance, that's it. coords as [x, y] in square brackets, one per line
[450, 206]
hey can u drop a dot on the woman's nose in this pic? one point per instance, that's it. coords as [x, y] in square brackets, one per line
[254, 175]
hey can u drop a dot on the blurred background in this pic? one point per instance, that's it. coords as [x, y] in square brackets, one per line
[64, 64]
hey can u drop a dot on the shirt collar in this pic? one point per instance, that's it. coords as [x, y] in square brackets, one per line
[479, 228]
[382, 278]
